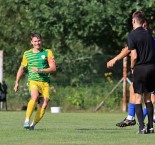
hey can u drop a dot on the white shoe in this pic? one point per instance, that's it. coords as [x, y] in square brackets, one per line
[26, 125]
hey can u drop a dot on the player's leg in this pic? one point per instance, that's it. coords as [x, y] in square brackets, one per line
[30, 107]
[150, 110]
[40, 112]
[153, 102]
[139, 113]
[131, 105]
[42, 106]
[130, 119]
[31, 104]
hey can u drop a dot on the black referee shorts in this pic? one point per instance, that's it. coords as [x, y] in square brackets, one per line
[144, 78]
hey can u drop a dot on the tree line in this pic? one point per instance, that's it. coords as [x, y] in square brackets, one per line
[83, 34]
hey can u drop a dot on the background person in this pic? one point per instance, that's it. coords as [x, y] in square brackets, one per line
[4, 89]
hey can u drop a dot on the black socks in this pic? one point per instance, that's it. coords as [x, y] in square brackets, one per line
[139, 113]
[150, 111]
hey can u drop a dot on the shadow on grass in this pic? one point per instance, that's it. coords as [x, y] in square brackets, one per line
[105, 129]
[39, 130]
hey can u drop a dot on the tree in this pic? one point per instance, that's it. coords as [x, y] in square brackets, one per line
[81, 33]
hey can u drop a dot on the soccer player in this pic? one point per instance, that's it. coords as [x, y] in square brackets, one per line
[40, 63]
[130, 119]
[140, 42]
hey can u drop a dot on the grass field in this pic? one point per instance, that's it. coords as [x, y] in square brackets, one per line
[70, 129]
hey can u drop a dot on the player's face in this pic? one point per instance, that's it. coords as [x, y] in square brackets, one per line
[36, 42]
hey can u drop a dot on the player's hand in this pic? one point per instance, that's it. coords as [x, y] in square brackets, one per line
[111, 63]
[16, 87]
[35, 69]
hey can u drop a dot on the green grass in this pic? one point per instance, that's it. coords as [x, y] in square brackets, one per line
[70, 129]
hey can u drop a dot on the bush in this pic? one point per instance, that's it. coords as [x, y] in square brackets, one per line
[87, 97]
[71, 98]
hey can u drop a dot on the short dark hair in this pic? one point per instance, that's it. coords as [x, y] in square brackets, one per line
[35, 35]
[139, 16]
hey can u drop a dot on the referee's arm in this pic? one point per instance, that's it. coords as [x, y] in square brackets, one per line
[133, 58]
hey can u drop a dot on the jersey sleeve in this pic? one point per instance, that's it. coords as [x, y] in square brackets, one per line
[24, 61]
[50, 57]
[131, 44]
[50, 54]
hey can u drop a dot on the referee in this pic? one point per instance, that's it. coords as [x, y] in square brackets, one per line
[140, 42]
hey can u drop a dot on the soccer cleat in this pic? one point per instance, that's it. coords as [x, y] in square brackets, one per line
[126, 122]
[26, 125]
[143, 131]
[31, 128]
[149, 130]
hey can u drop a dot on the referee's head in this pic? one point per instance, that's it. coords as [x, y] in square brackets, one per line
[138, 18]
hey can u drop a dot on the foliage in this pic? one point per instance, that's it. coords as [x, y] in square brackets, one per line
[83, 35]
[88, 96]
[77, 31]
[70, 98]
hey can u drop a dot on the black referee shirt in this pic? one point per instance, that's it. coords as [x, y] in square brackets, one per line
[141, 40]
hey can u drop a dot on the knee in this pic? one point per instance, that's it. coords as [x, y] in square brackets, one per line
[138, 98]
[34, 99]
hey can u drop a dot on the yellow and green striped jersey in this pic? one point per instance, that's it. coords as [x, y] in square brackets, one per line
[37, 60]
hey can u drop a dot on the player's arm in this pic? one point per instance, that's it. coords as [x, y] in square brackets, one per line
[51, 68]
[51, 63]
[18, 76]
[133, 58]
[125, 51]
[20, 72]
